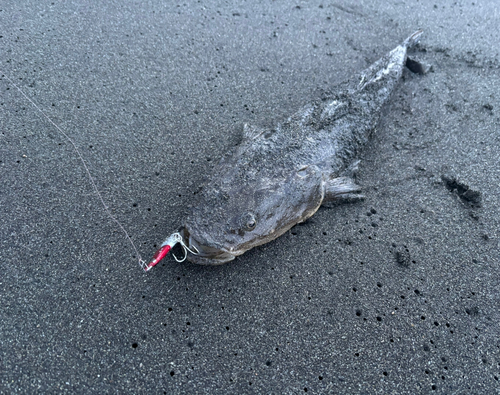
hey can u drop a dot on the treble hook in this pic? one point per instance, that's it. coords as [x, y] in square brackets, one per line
[185, 248]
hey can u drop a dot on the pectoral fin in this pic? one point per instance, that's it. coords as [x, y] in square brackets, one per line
[341, 190]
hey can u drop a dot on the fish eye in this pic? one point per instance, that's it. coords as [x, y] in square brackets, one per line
[249, 222]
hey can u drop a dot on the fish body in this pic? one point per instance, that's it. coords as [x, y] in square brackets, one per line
[278, 177]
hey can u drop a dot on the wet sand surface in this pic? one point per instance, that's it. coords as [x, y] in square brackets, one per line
[397, 294]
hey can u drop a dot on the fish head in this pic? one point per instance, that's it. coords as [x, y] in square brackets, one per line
[231, 218]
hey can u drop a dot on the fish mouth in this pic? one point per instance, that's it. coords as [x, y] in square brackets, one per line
[205, 255]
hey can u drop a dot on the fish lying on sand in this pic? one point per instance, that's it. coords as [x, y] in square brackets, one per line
[280, 176]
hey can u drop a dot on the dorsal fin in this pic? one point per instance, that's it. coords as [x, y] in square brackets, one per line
[251, 132]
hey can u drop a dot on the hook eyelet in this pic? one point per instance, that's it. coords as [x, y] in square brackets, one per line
[178, 239]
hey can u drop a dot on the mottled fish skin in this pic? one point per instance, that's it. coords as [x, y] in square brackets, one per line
[280, 176]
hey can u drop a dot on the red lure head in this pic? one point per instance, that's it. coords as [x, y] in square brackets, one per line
[158, 256]
[166, 246]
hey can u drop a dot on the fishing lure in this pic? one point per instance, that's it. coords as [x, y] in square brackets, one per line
[164, 249]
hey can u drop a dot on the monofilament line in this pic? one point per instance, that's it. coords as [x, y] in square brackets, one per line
[141, 261]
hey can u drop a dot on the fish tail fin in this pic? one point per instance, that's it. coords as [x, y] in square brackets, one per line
[414, 65]
[413, 39]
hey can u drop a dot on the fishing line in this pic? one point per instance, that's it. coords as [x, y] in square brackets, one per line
[141, 261]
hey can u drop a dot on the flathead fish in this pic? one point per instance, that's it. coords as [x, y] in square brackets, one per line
[278, 177]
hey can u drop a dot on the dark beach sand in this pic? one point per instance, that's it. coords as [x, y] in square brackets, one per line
[398, 294]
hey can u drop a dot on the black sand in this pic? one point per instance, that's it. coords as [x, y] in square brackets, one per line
[397, 294]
